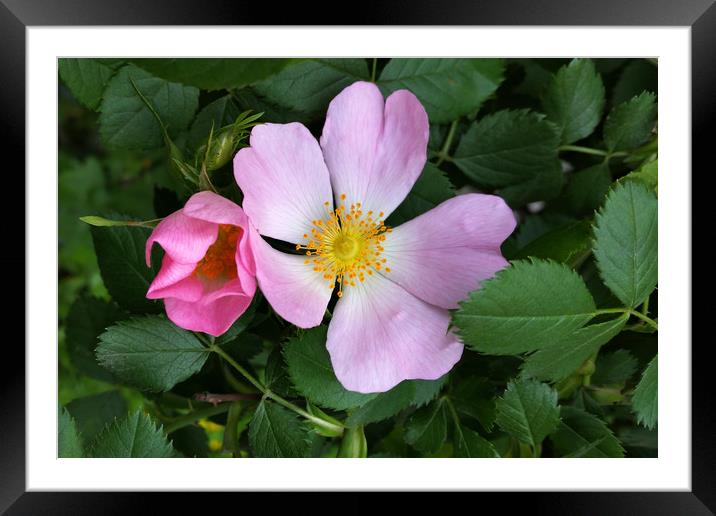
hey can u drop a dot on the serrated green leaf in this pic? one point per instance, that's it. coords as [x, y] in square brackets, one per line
[151, 352]
[133, 436]
[386, 404]
[213, 73]
[120, 255]
[471, 445]
[426, 429]
[87, 78]
[523, 308]
[514, 152]
[87, 319]
[447, 88]
[309, 367]
[308, 86]
[68, 437]
[93, 413]
[126, 122]
[528, 411]
[570, 244]
[426, 390]
[474, 397]
[574, 100]
[647, 175]
[582, 435]
[630, 123]
[614, 368]
[276, 374]
[223, 111]
[564, 357]
[431, 188]
[625, 242]
[276, 432]
[646, 395]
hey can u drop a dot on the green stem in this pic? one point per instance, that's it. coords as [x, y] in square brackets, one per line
[196, 415]
[645, 307]
[444, 155]
[375, 67]
[272, 395]
[591, 151]
[583, 150]
[648, 320]
[651, 322]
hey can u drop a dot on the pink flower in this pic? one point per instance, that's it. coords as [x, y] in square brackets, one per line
[207, 278]
[391, 322]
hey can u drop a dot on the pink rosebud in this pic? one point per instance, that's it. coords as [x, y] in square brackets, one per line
[207, 278]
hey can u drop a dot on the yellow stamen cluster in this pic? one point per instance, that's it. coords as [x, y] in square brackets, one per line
[346, 246]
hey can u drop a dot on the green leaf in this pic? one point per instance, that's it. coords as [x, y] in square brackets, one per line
[646, 396]
[68, 436]
[447, 88]
[126, 122]
[629, 124]
[276, 374]
[213, 73]
[120, 255]
[88, 317]
[223, 111]
[309, 367]
[570, 244]
[528, 411]
[386, 404]
[614, 368]
[151, 352]
[581, 434]
[470, 444]
[93, 413]
[87, 78]
[309, 86]
[276, 432]
[637, 76]
[625, 242]
[474, 397]
[426, 429]
[431, 188]
[647, 175]
[514, 152]
[564, 357]
[523, 308]
[574, 100]
[133, 436]
[585, 191]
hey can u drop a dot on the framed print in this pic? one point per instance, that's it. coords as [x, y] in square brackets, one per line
[432, 248]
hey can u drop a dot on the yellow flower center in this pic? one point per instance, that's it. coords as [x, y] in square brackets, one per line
[347, 245]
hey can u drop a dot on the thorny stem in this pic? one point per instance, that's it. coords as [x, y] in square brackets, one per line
[215, 399]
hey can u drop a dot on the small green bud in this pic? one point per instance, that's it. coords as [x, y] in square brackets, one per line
[587, 368]
[221, 150]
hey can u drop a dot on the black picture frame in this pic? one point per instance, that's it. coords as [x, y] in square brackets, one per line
[17, 15]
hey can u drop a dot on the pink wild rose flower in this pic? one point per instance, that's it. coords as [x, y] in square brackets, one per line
[395, 286]
[207, 278]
